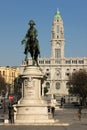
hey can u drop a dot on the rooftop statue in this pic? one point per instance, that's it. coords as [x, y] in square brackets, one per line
[31, 43]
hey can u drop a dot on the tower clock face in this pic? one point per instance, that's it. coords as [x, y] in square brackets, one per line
[58, 44]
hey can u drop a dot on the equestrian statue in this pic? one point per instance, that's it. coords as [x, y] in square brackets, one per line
[31, 44]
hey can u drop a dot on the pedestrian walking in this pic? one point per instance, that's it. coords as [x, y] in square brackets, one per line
[53, 110]
[62, 101]
[79, 113]
[11, 114]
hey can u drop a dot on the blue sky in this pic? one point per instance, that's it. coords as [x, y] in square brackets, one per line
[14, 18]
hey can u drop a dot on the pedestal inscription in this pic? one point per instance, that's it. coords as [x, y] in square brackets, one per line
[32, 109]
[29, 90]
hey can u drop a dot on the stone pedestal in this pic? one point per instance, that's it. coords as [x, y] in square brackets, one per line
[31, 108]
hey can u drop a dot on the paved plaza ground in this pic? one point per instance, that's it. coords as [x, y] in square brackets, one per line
[65, 119]
[45, 127]
[70, 116]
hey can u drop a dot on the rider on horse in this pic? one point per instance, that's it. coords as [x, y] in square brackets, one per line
[31, 43]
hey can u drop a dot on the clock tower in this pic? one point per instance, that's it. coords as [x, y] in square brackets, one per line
[57, 37]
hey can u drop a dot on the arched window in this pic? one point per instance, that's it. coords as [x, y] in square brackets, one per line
[48, 75]
[47, 84]
[58, 75]
[57, 85]
[3, 73]
[67, 85]
[57, 28]
[57, 53]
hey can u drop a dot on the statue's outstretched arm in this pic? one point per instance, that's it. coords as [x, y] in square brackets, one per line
[24, 41]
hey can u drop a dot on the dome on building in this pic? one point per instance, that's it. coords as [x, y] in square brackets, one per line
[57, 15]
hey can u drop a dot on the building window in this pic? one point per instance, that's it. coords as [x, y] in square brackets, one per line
[57, 28]
[81, 62]
[57, 85]
[47, 69]
[74, 61]
[12, 74]
[67, 69]
[47, 84]
[48, 75]
[47, 62]
[41, 62]
[67, 85]
[57, 61]
[74, 69]
[68, 61]
[3, 73]
[67, 74]
[58, 74]
[57, 36]
[57, 20]
[57, 53]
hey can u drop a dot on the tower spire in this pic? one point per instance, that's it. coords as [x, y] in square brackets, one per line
[57, 9]
[57, 15]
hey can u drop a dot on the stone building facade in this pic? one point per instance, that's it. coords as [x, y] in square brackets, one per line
[58, 67]
[9, 74]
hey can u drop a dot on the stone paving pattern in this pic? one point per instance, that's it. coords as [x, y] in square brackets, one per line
[67, 120]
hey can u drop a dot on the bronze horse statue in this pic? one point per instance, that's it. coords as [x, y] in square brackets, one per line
[31, 44]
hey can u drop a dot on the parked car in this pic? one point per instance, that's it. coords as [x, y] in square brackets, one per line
[76, 104]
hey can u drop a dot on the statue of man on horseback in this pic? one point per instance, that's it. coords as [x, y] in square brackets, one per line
[31, 43]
